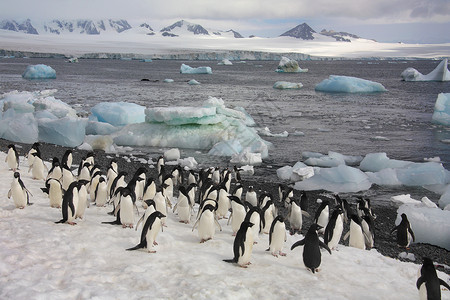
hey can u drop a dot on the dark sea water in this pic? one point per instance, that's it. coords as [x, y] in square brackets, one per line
[344, 123]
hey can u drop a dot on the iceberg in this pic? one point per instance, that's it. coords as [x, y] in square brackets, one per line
[67, 131]
[185, 69]
[441, 114]
[225, 62]
[226, 148]
[172, 154]
[193, 82]
[440, 73]
[119, 113]
[284, 85]
[298, 172]
[340, 179]
[19, 127]
[39, 72]
[246, 157]
[348, 84]
[375, 162]
[288, 65]
[444, 201]
[100, 128]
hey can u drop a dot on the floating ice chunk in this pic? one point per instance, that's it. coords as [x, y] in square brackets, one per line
[375, 162]
[308, 154]
[67, 131]
[428, 203]
[168, 80]
[435, 159]
[301, 171]
[188, 163]
[39, 72]
[284, 173]
[247, 170]
[266, 132]
[340, 179]
[333, 159]
[404, 199]
[379, 138]
[20, 102]
[226, 148]
[441, 114]
[119, 113]
[54, 106]
[288, 65]
[185, 69]
[193, 82]
[246, 157]
[386, 176]
[440, 73]
[182, 115]
[225, 62]
[422, 174]
[347, 84]
[284, 85]
[444, 201]
[430, 225]
[100, 128]
[172, 154]
[18, 127]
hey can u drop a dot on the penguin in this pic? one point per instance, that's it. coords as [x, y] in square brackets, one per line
[149, 232]
[161, 205]
[429, 283]
[177, 175]
[368, 230]
[254, 216]
[84, 173]
[111, 174]
[335, 226]
[364, 208]
[263, 199]
[277, 236]
[82, 199]
[34, 149]
[12, 158]
[54, 190]
[19, 193]
[216, 175]
[355, 233]
[101, 192]
[404, 232]
[167, 185]
[149, 189]
[223, 202]
[251, 197]
[159, 164]
[183, 206]
[67, 158]
[67, 176]
[206, 223]
[55, 170]
[149, 210]
[93, 182]
[38, 167]
[118, 183]
[139, 179]
[237, 191]
[311, 250]
[242, 245]
[227, 179]
[343, 204]
[287, 196]
[322, 215]
[238, 212]
[268, 214]
[192, 178]
[127, 203]
[90, 159]
[68, 206]
[303, 201]
[191, 190]
[295, 216]
[237, 174]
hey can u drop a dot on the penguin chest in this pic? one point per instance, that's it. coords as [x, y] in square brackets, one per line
[246, 253]
[19, 195]
[223, 205]
[11, 159]
[268, 219]
[323, 218]
[337, 233]
[153, 233]
[206, 229]
[38, 169]
[238, 217]
[184, 210]
[356, 236]
[82, 201]
[256, 220]
[251, 198]
[126, 211]
[55, 195]
[102, 194]
[295, 217]
[278, 237]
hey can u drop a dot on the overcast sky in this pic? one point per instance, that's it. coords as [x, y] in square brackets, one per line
[384, 20]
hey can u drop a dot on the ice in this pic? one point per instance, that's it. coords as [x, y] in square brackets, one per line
[99, 142]
[193, 82]
[298, 172]
[288, 65]
[375, 162]
[441, 114]
[440, 73]
[266, 132]
[100, 128]
[119, 113]
[39, 72]
[226, 148]
[188, 163]
[386, 177]
[185, 69]
[246, 157]
[183, 115]
[422, 174]
[340, 179]
[19, 127]
[333, 159]
[225, 62]
[444, 201]
[168, 80]
[66, 131]
[430, 225]
[172, 154]
[348, 84]
[284, 85]
[54, 106]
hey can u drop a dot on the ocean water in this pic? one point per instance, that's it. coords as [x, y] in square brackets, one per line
[344, 123]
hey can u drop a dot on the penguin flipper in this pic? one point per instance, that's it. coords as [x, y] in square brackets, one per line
[412, 233]
[195, 224]
[9, 194]
[139, 222]
[45, 190]
[217, 223]
[299, 243]
[420, 281]
[346, 235]
[323, 245]
[442, 282]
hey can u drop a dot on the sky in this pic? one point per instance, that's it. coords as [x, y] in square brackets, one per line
[414, 21]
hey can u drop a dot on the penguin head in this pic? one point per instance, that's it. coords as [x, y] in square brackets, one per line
[315, 227]
[159, 214]
[150, 202]
[16, 175]
[404, 217]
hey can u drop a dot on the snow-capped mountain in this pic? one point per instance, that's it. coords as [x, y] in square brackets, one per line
[302, 31]
[183, 27]
[13, 25]
[91, 27]
[339, 36]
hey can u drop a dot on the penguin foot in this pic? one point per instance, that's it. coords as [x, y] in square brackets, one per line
[151, 251]
[155, 243]
[204, 240]
[282, 254]
[72, 223]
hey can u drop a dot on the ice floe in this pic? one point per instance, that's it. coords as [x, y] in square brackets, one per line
[39, 72]
[348, 84]
[185, 69]
[440, 73]
[285, 85]
[288, 65]
[441, 114]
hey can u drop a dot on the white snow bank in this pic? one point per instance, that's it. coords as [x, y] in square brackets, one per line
[348, 84]
[39, 72]
[440, 73]
[285, 85]
[288, 65]
[441, 114]
[185, 69]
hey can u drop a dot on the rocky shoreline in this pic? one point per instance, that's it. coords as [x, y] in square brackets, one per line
[386, 214]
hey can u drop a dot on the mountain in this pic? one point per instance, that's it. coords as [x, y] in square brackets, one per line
[89, 27]
[302, 31]
[339, 36]
[183, 27]
[24, 26]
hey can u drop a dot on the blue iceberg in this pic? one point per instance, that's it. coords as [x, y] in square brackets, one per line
[67, 131]
[440, 73]
[441, 114]
[185, 69]
[348, 84]
[119, 113]
[39, 72]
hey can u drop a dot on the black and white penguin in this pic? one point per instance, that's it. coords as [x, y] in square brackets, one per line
[38, 168]
[178, 175]
[83, 202]
[237, 191]
[68, 206]
[148, 211]
[251, 197]
[242, 245]
[55, 170]
[12, 158]
[223, 202]
[237, 174]
[335, 226]
[19, 193]
[368, 230]
[67, 176]
[304, 201]
[34, 149]
[101, 192]
[322, 215]
[254, 216]
[54, 190]
[149, 232]
[127, 204]
[183, 206]
[268, 213]
[404, 232]
[84, 172]
[429, 283]
[311, 250]
[295, 216]
[159, 163]
[149, 189]
[139, 178]
[238, 212]
[111, 174]
[355, 234]
[277, 236]
[206, 223]
[67, 158]
[95, 177]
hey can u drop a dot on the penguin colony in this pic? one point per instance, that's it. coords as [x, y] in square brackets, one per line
[218, 193]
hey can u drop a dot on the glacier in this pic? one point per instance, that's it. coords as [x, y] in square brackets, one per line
[185, 69]
[40, 71]
[440, 73]
[348, 84]
[288, 65]
[285, 85]
[441, 114]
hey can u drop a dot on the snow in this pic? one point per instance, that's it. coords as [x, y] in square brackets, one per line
[441, 114]
[288, 65]
[185, 69]
[119, 113]
[89, 261]
[285, 85]
[172, 154]
[348, 84]
[39, 72]
[440, 73]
